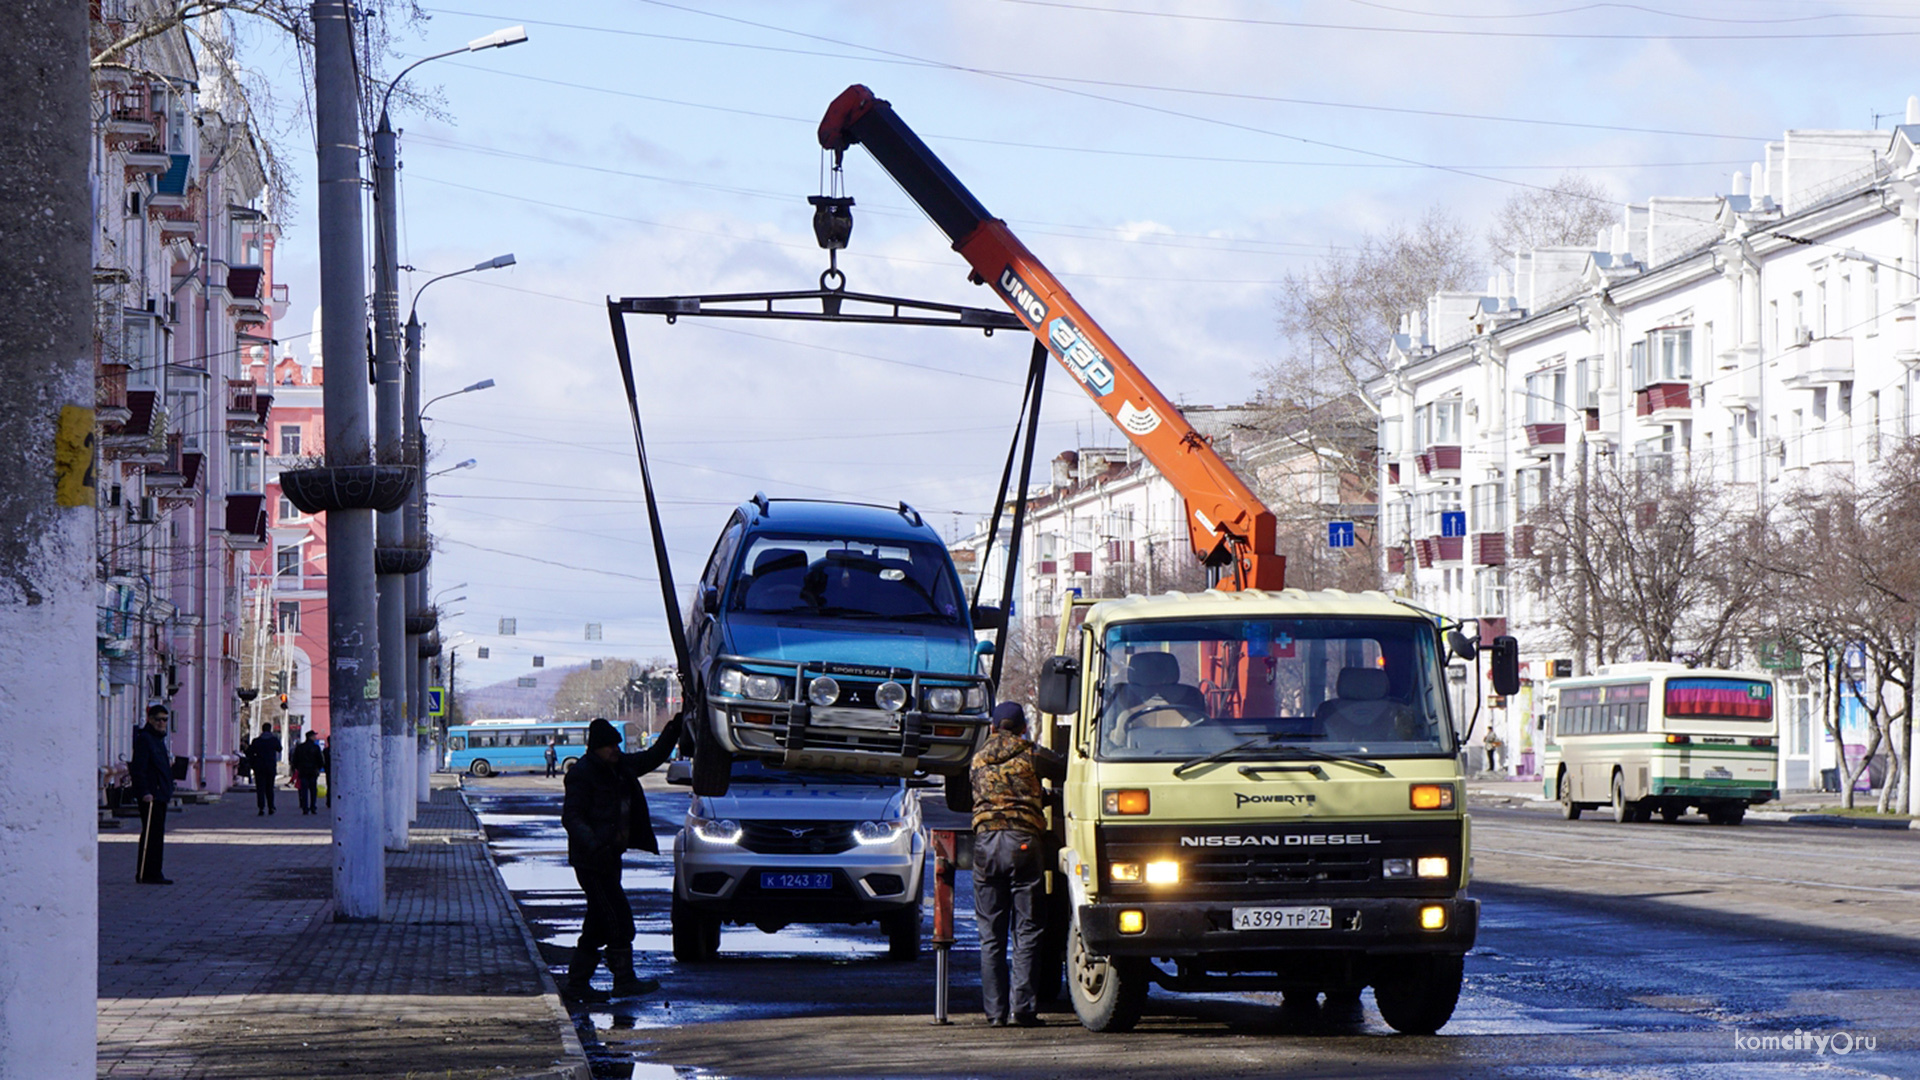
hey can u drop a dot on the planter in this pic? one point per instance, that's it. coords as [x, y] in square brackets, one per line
[348, 487]
[422, 622]
[400, 560]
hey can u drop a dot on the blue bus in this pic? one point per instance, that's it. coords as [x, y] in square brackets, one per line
[485, 747]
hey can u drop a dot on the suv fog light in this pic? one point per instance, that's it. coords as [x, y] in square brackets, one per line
[824, 690]
[1131, 921]
[1396, 867]
[944, 699]
[1433, 866]
[1433, 917]
[890, 696]
[1165, 872]
[1123, 871]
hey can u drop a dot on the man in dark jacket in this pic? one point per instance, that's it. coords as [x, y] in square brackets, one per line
[306, 761]
[151, 772]
[605, 814]
[263, 754]
[1009, 856]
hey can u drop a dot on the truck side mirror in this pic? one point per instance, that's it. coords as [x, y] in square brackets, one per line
[988, 617]
[1505, 665]
[709, 599]
[1059, 689]
[1461, 645]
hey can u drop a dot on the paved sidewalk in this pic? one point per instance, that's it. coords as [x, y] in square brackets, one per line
[238, 969]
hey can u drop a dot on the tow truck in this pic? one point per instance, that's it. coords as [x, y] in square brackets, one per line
[1263, 787]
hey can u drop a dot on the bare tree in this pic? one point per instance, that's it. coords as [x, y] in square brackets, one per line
[1572, 211]
[587, 693]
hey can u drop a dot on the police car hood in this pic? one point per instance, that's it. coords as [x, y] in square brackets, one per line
[803, 802]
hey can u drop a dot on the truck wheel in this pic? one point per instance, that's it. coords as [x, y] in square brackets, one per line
[903, 934]
[481, 767]
[1109, 993]
[696, 934]
[712, 768]
[960, 793]
[1568, 807]
[1416, 994]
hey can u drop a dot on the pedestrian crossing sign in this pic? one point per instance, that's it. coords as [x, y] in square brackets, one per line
[436, 701]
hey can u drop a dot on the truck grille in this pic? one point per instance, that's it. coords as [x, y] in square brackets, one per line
[1309, 858]
[797, 837]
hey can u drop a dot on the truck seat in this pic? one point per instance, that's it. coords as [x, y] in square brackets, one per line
[1361, 712]
[1153, 679]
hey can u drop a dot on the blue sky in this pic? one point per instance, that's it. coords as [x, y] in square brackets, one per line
[1170, 160]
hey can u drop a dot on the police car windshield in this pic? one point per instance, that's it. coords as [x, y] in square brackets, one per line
[755, 771]
[889, 580]
[1205, 690]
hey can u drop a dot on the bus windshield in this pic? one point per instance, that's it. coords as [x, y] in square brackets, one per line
[1719, 699]
[1178, 689]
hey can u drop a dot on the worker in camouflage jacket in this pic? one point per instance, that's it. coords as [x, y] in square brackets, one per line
[1009, 857]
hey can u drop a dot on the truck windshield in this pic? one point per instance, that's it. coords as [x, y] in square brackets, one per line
[894, 580]
[1186, 688]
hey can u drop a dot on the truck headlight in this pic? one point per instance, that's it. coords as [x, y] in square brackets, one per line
[1123, 871]
[879, 832]
[1432, 866]
[945, 699]
[1164, 872]
[717, 830]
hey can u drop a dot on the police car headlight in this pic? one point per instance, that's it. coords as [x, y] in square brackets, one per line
[717, 831]
[879, 832]
[890, 696]
[945, 699]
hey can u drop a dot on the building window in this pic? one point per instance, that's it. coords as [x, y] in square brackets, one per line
[289, 620]
[243, 465]
[1547, 396]
[286, 561]
[288, 511]
[1666, 356]
[1490, 591]
[289, 440]
[1489, 507]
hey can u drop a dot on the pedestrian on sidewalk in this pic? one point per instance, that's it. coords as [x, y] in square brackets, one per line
[263, 754]
[1009, 855]
[605, 814]
[152, 774]
[306, 761]
[553, 756]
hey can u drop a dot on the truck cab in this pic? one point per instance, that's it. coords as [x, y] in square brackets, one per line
[1263, 792]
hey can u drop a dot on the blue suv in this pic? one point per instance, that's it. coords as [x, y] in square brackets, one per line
[836, 637]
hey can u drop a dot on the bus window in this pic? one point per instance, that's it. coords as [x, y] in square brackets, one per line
[457, 743]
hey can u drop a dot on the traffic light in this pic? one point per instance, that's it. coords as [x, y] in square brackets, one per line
[280, 688]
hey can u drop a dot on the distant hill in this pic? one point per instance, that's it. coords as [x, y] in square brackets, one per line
[509, 698]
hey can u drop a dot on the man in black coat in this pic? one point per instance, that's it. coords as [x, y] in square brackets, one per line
[605, 815]
[151, 772]
[306, 762]
[264, 755]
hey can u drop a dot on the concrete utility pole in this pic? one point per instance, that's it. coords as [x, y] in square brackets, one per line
[397, 745]
[416, 537]
[49, 887]
[353, 682]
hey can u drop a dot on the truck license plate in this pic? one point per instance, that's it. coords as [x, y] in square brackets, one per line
[796, 881]
[1283, 918]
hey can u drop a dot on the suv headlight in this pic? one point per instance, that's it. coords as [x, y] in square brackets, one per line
[879, 832]
[945, 699]
[717, 830]
[739, 683]
[976, 699]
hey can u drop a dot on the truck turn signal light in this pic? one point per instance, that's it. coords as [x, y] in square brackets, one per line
[1431, 797]
[1126, 801]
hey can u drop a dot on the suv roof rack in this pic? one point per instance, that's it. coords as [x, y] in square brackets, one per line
[912, 515]
[765, 504]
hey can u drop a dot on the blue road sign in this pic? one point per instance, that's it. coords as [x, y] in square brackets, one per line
[436, 701]
[1339, 534]
[1453, 523]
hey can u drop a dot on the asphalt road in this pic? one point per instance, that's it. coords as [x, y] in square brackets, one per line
[1640, 952]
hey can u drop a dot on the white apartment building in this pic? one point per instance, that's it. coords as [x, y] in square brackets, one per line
[1767, 335]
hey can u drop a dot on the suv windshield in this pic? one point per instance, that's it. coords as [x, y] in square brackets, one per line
[1272, 688]
[898, 580]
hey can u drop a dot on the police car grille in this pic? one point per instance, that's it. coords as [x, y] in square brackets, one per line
[797, 837]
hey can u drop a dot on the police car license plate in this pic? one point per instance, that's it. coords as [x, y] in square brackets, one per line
[1283, 918]
[796, 881]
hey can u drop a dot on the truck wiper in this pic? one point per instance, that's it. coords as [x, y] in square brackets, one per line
[1259, 741]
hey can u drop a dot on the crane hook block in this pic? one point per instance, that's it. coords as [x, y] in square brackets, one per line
[832, 220]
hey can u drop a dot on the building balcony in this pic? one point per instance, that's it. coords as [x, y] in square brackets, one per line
[1396, 560]
[247, 521]
[171, 470]
[247, 406]
[146, 158]
[1546, 438]
[1663, 398]
[1820, 362]
[1439, 461]
[1423, 552]
[1447, 548]
[1520, 544]
[1491, 628]
[1490, 548]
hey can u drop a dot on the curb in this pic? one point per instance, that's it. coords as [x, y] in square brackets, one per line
[1772, 817]
[575, 1066]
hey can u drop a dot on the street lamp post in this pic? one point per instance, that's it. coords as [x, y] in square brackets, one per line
[398, 560]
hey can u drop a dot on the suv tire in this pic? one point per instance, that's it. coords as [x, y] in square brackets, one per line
[696, 933]
[712, 767]
[960, 793]
[903, 933]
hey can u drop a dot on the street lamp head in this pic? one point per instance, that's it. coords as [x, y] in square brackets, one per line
[499, 39]
[496, 262]
[467, 464]
[483, 384]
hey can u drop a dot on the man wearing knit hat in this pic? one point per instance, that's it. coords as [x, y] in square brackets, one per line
[605, 815]
[1009, 855]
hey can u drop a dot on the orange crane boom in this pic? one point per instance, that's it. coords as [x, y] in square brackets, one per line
[1231, 529]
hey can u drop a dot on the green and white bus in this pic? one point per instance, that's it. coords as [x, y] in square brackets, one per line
[1662, 737]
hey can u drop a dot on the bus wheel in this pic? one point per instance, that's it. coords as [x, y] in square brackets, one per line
[1109, 993]
[568, 764]
[1623, 811]
[481, 767]
[1672, 812]
[1416, 994]
[1565, 791]
[1726, 815]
